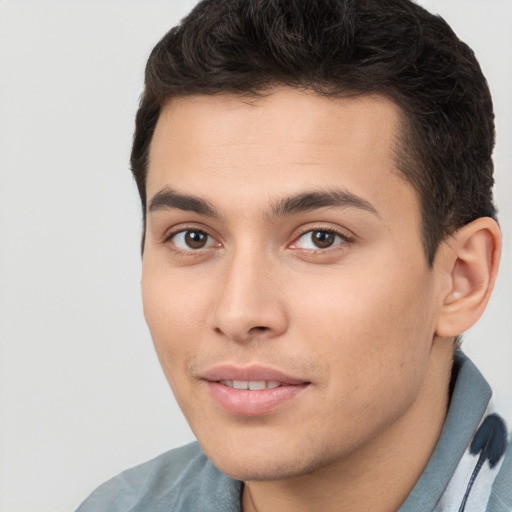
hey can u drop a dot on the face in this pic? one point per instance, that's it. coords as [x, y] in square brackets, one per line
[284, 280]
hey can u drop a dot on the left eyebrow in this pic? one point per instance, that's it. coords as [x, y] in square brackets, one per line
[308, 201]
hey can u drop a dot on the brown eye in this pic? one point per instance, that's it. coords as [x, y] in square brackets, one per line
[196, 239]
[322, 239]
[319, 239]
[192, 239]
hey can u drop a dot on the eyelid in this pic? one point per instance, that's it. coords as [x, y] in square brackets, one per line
[183, 228]
[346, 235]
[186, 226]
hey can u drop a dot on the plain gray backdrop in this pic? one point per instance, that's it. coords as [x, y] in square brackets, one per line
[81, 392]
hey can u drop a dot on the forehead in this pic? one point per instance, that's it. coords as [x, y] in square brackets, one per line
[284, 115]
[279, 143]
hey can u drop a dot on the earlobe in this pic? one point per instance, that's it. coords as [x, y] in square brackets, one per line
[471, 264]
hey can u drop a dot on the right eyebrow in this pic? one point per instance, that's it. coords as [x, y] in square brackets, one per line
[168, 198]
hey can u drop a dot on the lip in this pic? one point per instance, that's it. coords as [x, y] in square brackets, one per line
[253, 372]
[243, 402]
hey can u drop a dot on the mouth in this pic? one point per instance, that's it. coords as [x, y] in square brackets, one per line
[252, 391]
[253, 385]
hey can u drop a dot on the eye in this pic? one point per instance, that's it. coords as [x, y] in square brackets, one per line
[192, 239]
[319, 239]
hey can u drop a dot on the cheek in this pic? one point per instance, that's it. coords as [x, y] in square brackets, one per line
[376, 326]
[172, 312]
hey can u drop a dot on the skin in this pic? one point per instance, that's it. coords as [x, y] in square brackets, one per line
[357, 320]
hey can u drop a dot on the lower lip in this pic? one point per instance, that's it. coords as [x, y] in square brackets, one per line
[243, 402]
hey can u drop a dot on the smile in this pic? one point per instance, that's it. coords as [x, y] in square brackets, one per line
[253, 390]
[252, 385]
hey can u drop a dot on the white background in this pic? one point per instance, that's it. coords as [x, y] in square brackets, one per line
[81, 393]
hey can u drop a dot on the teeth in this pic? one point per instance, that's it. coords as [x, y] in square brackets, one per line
[257, 384]
[253, 385]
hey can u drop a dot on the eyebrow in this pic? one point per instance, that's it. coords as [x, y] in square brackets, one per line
[302, 202]
[168, 198]
[308, 201]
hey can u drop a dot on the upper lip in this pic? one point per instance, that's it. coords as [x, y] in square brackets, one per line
[250, 373]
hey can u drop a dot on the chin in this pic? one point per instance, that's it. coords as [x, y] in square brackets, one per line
[258, 471]
[266, 464]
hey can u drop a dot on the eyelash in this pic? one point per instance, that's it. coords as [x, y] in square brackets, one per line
[345, 240]
[168, 240]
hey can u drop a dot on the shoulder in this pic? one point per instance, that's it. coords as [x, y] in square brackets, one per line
[138, 487]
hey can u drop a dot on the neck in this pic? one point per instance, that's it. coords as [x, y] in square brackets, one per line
[378, 476]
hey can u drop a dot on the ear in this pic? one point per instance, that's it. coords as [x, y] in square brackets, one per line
[469, 261]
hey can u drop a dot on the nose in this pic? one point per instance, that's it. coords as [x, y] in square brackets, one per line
[250, 301]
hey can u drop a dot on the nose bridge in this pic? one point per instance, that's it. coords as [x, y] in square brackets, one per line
[249, 302]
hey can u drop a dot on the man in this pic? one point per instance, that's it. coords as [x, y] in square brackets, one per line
[316, 183]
